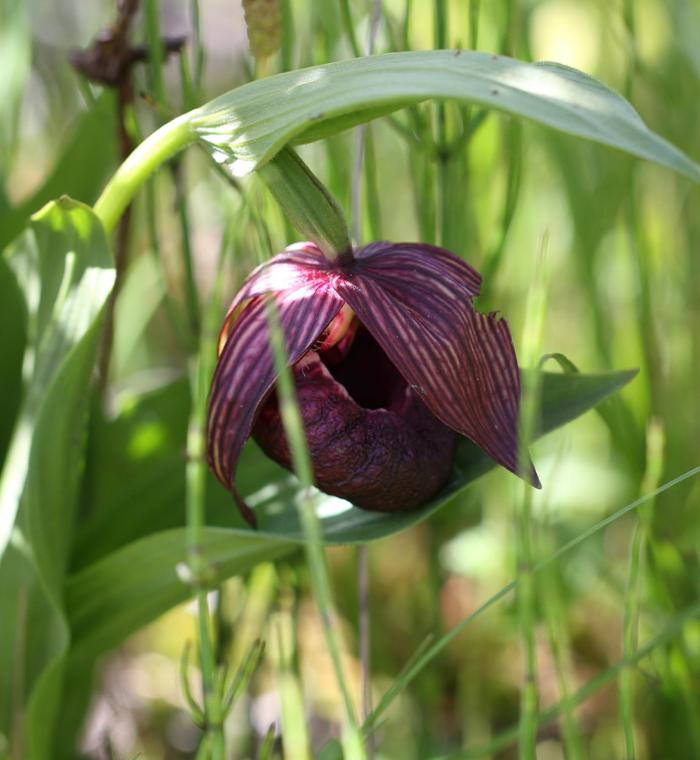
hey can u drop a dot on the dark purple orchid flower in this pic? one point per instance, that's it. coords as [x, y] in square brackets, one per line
[390, 361]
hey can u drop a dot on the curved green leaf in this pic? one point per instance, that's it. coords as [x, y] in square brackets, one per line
[248, 125]
[119, 593]
[65, 273]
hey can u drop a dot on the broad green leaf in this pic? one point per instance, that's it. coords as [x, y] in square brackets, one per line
[139, 582]
[564, 397]
[248, 125]
[16, 575]
[65, 272]
[126, 589]
[135, 474]
[80, 170]
[65, 275]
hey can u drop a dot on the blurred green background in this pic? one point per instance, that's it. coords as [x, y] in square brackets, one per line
[622, 240]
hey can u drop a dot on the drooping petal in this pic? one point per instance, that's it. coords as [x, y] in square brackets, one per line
[416, 300]
[299, 266]
[245, 371]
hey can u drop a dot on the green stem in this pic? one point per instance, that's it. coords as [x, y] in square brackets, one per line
[313, 545]
[443, 158]
[554, 613]
[156, 49]
[406, 29]
[138, 167]
[532, 341]
[201, 371]
[629, 641]
[287, 50]
[349, 28]
[191, 294]
[474, 7]
[195, 507]
[198, 52]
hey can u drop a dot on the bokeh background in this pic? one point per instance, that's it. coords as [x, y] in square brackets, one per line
[621, 243]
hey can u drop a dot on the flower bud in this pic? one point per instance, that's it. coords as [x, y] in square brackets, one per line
[263, 19]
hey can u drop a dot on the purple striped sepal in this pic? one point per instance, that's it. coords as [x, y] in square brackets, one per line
[390, 361]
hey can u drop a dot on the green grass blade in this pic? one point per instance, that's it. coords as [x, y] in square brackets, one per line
[439, 645]
[509, 737]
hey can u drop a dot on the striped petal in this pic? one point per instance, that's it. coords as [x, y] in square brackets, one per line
[416, 300]
[245, 372]
[298, 266]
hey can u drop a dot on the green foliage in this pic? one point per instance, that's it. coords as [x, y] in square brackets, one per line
[12, 313]
[137, 581]
[94, 536]
[65, 272]
[247, 126]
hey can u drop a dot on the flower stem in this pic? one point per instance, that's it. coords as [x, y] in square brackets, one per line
[138, 167]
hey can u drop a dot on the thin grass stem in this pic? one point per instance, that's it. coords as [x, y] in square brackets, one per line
[474, 8]
[287, 49]
[365, 158]
[294, 732]
[201, 370]
[320, 582]
[364, 636]
[417, 664]
[156, 50]
[554, 615]
[306, 506]
[591, 687]
[524, 528]
[349, 27]
[191, 292]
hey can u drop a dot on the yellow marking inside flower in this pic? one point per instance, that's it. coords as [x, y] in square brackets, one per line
[339, 327]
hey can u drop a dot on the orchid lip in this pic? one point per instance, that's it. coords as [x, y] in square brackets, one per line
[390, 455]
[414, 303]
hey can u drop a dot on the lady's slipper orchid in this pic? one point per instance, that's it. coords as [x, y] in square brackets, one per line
[390, 361]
